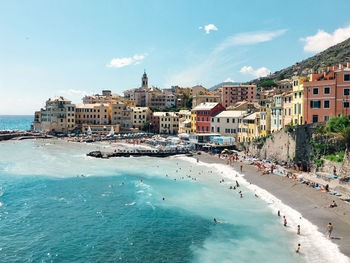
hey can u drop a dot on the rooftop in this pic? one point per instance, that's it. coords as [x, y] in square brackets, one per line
[205, 106]
[229, 114]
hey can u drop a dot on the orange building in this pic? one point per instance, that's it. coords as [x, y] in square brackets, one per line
[327, 94]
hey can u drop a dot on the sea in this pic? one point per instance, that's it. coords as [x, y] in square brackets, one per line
[59, 205]
[16, 122]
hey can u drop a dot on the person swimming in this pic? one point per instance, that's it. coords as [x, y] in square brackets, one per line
[215, 220]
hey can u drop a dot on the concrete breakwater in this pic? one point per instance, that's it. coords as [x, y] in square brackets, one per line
[149, 153]
[22, 135]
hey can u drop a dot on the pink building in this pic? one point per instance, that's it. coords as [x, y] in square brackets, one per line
[232, 94]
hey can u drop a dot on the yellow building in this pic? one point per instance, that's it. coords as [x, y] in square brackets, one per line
[139, 116]
[265, 121]
[97, 113]
[184, 121]
[193, 122]
[249, 127]
[169, 123]
[298, 100]
[57, 116]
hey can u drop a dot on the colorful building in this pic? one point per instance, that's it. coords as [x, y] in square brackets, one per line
[58, 116]
[249, 127]
[193, 121]
[140, 115]
[226, 122]
[204, 113]
[184, 121]
[169, 123]
[276, 113]
[298, 100]
[265, 121]
[287, 108]
[97, 113]
[232, 94]
[327, 94]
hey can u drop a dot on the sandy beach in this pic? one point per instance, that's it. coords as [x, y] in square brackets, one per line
[312, 204]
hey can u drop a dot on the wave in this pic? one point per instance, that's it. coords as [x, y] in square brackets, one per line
[316, 246]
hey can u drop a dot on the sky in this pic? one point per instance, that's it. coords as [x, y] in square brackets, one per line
[73, 48]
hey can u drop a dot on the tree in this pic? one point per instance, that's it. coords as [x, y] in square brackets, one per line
[339, 127]
[268, 83]
[147, 126]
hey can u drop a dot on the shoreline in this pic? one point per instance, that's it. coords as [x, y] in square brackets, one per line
[310, 203]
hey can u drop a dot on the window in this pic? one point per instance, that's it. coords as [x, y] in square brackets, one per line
[315, 91]
[346, 104]
[299, 105]
[217, 129]
[314, 118]
[299, 94]
[212, 129]
[326, 104]
[346, 92]
[295, 109]
[212, 119]
[233, 120]
[326, 118]
[227, 120]
[315, 104]
[290, 111]
[327, 90]
[346, 77]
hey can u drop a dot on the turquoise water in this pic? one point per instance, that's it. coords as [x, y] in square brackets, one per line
[16, 122]
[116, 212]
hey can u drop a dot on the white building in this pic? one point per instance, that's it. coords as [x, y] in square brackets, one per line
[226, 122]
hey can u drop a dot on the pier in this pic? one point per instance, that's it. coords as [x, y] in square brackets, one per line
[139, 153]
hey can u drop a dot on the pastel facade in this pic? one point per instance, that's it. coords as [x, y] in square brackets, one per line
[140, 115]
[204, 113]
[121, 114]
[57, 116]
[98, 113]
[328, 94]
[287, 108]
[265, 121]
[249, 127]
[169, 123]
[232, 94]
[193, 121]
[298, 100]
[184, 121]
[276, 113]
[226, 122]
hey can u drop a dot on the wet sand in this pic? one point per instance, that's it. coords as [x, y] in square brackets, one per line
[311, 203]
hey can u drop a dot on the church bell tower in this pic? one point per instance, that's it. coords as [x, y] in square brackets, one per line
[144, 81]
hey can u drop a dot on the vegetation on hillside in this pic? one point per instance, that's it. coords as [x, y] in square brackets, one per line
[338, 54]
[331, 140]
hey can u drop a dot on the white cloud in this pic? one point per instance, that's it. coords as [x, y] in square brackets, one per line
[249, 38]
[126, 61]
[323, 40]
[260, 72]
[208, 28]
[219, 60]
[229, 80]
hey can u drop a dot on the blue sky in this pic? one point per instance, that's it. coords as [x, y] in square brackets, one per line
[72, 48]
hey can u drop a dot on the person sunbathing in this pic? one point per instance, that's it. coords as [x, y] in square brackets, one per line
[333, 204]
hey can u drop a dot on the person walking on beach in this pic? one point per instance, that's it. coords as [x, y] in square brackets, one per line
[237, 184]
[241, 168]
[334, 170]
[284, 221]
[298, 249]
[278, 213]
[298, 231]
[329, 229]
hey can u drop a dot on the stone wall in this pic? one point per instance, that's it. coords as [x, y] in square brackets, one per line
[286, 147]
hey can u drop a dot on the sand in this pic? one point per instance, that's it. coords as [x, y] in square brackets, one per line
[311, 203]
